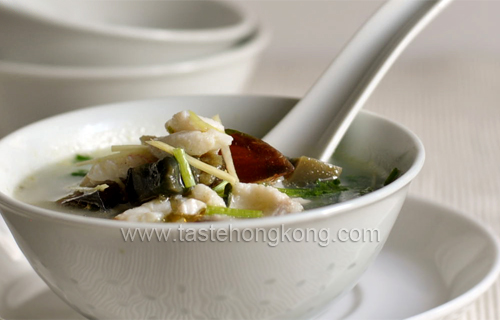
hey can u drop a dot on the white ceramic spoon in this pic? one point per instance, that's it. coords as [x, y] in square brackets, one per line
[318, 122]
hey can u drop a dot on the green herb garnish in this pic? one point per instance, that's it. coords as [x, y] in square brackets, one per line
[321, 188]
[186, 173]
[233, 212]
[79, 173]
[81, 158]
[221, 189]
[392, 176]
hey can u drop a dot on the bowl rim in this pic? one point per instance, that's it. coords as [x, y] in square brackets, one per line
[247, 22]
[251, 46]
[18, 206]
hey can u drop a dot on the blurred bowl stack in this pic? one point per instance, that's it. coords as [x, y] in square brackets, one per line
[59, 55]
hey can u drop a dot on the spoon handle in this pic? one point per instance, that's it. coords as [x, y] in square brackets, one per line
[323, 115]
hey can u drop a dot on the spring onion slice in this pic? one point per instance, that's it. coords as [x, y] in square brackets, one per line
[186, 173]
[195, 162]
[395, 173]
[233, 212]
[220, 188]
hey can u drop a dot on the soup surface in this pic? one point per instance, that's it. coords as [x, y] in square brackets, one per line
[199, 171]
[53, 182]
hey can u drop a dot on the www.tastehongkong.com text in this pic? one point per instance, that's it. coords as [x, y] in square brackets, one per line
[272, 236]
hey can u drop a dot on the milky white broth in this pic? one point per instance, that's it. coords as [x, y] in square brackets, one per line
[44, 187]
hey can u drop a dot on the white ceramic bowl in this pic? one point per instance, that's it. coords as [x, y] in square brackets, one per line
[119, 33]
[30, 92]
[88, 264]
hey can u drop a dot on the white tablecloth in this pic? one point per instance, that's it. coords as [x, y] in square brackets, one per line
[453, 105]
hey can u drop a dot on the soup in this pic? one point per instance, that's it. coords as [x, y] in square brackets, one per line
[200, 171]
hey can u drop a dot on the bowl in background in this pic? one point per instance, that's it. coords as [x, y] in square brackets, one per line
[119, 33]
[29, 92]
[88, 263]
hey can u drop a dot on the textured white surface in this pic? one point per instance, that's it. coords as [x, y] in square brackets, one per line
[452, 103]
[425, 252]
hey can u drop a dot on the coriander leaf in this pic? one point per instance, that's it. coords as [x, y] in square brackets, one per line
[319, 189]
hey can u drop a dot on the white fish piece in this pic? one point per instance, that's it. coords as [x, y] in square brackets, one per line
[158, 209]
[115, 168]
[268, 199]
[207, 195]
[182, 121]
[187, 206]
[151, 211]
[197, 143]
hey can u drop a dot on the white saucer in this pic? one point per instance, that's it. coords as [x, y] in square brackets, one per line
[435, 263]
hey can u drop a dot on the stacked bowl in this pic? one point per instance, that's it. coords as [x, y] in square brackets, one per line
[62, 55]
